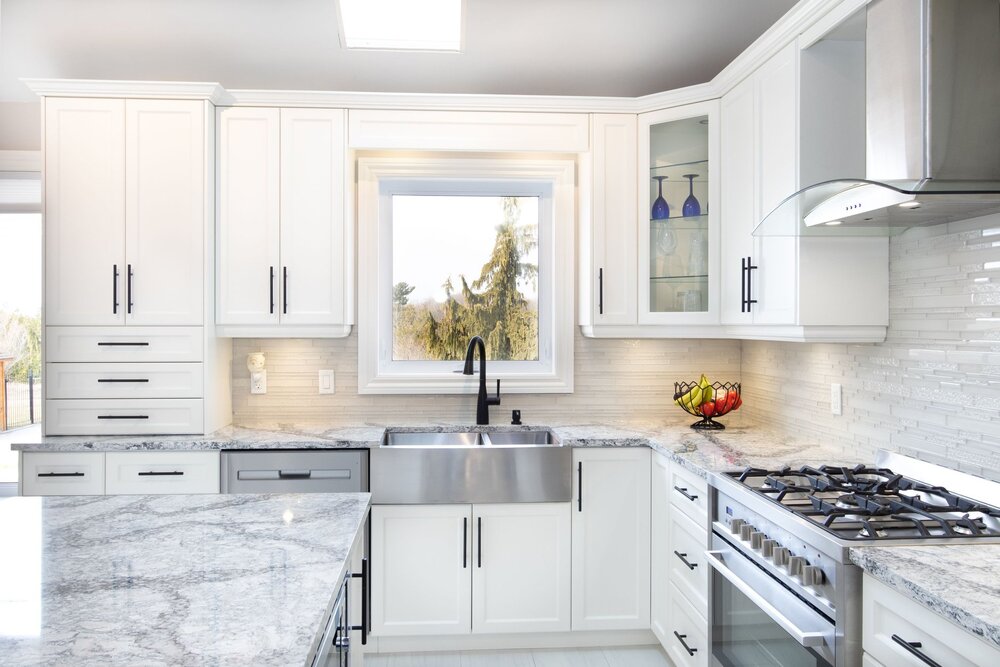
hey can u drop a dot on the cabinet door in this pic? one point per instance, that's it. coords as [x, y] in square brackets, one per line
[314, 272]
[659, 548]
[421, 570]
[611, 539]
[776, 280]
[614, 271]
[248, 216]
[84, 211]
[739, 199]
[165, 159]
[521, 578]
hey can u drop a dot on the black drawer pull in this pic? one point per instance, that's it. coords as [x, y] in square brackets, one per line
[684, 492]
[681, 638]
[128, 292]
[114, 289]
[295, 474]
[61, 474]
[284, 290]
[914, 650]
[684, 560]
[271, 283]
[364, 601]
[123, 416]
[600, 291]
[123, 379]
[117, 344]
[579, 486]
[161, 473]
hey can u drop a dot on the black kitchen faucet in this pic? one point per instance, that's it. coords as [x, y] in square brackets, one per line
[484, 402]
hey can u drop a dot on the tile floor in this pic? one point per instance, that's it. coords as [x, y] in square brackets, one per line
[631, 656]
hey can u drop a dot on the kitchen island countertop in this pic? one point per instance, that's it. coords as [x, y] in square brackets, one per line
[167, 580]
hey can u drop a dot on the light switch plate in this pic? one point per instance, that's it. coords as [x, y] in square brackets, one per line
[836, 399]
[326, 385]
[258, 382]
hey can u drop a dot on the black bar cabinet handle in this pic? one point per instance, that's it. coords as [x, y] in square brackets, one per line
[579, 486]
[123, 379]
[743, 284]
[479, 540]
[123, 416]
[914, 649]
[284, 290]
[465, 542]
[684, 560]
[114, 289]
[128, 290]
[119, 344]
[271, 289]
[600, 291]
[364, 601]
[681, 638]
[60, 474]
[684, 492]
[160, 473]
[750, 300]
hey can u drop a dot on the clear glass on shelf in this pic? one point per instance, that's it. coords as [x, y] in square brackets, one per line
[679, 243]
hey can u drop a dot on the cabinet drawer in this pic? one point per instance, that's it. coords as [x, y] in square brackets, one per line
[687, 567]
[889, 614]
[126, 416]
[689, 493]
[161, 472]
[62, 474]
[687, 638]
[75, 344]
[124, 380]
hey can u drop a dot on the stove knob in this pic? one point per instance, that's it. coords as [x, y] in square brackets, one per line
[781, 555]
[812, 575]
[735, 525]
[795, 565]
[756, 539]
[767, 548]
[746, 530]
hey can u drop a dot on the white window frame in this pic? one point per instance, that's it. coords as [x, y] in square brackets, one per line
[381, 177]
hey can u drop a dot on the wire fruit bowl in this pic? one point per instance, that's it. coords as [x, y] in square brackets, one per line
[708, 401]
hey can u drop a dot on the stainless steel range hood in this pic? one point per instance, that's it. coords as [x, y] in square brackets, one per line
[932, 94]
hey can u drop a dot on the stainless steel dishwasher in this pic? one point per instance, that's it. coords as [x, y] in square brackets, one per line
[295, 471]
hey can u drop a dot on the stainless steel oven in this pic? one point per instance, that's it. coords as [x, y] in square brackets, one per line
[758, 621]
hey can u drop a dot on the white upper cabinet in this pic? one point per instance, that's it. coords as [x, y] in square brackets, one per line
[313, 228]
[783, 285]
[125, 211]
[165, 164]
[248, 216]
[609, 253]
[285, 241]
[84, 211]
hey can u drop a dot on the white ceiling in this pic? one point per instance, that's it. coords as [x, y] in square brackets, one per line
[546, 47]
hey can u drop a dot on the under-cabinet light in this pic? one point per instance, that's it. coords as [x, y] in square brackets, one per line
[427, 25]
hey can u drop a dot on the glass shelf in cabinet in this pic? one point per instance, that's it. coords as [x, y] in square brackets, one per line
[694, 222]
[682, 168]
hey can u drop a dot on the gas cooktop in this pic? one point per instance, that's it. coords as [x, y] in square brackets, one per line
[872, 503]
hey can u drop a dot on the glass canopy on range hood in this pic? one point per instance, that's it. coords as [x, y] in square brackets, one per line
[858, 207]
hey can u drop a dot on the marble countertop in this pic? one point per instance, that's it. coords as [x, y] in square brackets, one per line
[186, 579]
[958, 582]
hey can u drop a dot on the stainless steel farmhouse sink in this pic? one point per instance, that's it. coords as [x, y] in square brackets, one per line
[510, 466]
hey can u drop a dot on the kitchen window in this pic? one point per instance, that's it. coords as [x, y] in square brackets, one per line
[450, 248]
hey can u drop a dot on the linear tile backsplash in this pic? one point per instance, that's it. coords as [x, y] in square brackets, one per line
[615, 381]
[932, 389]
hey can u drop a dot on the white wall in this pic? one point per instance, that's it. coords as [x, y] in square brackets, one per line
[20, 126]
[932, 390]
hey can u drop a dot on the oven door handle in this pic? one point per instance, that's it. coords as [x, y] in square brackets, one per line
[807, 639]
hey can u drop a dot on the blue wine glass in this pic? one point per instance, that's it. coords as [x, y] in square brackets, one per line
[691, 206]
[660, 209]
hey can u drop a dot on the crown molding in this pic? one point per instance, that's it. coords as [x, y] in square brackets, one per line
[181, 90]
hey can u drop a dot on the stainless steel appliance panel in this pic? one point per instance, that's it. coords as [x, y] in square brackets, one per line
[294, 471]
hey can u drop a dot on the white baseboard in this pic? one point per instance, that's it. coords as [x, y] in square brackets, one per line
[511, 641]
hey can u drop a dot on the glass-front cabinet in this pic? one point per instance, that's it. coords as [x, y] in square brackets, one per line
[678, 215]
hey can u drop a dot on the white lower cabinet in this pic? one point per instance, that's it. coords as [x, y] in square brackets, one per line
[161, 472]
[459, 569]
[126, 416]
[659, 548]
[62, 473]
[687, 642]
[611, 537]
[868, 661]
[898, 630]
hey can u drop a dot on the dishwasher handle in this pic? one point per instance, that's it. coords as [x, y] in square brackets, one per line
[262, 475]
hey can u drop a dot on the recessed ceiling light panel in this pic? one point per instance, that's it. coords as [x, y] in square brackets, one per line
[427, 25]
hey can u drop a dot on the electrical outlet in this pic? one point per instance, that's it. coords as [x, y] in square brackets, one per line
[326, 385]
[836, 399]
[258, 382]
